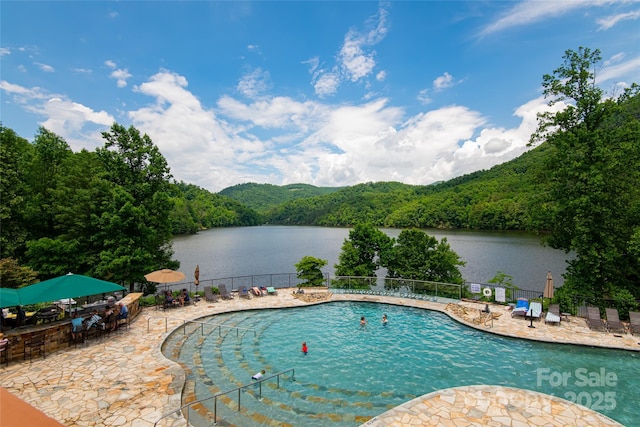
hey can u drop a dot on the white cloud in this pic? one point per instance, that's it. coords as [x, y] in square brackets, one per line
[629, 69]
[4, 51]
[443, 82]
[610, 21]
[254, 83]
[113, 15]
[381, 76]
[109, 63]
[82, 70]
[423, 97]
[356, 59]
[44, 67]
[327, 84]
[355, 62]
[75, 122]
[120, 76]
[280, 140]
[531, 11]
[313, 63]
[22, 94]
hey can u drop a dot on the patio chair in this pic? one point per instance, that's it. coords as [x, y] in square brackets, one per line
[634, 322]
[521, 308]
[535, 310]
[271, 290]
[4, 351]
[244, 293]
[553, 315]
[613, 321]
[36, 342]
[209, 296]
[224, 293]
[594, 322]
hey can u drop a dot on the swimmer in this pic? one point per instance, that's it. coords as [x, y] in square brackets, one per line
[384, 319]
[363, 321]
[258, 375]
[305, 350]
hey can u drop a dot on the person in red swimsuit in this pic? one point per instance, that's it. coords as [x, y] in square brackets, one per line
[304, 348]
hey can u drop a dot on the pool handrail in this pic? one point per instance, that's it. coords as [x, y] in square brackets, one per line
[222, 393]
[202, 325]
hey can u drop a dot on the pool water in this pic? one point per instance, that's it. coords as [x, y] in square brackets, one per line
[354, 373]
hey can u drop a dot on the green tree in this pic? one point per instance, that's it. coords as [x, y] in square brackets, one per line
[14, 153]
[13, 275]
[46, 169]
[135, 226]
[595, 153]
[79, 198]
[360, 254]
[418, 256]
[309, 269]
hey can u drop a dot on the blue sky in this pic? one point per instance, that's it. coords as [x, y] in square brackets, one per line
[326, 93]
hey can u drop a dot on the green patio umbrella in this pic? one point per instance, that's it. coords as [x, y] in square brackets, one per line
[67, 286]
[9, 297]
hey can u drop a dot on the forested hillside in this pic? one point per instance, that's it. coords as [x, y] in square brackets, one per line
[195, 208]
[510, 196]
[264, 196]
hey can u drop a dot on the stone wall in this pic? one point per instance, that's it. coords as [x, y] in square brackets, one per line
[58, 333]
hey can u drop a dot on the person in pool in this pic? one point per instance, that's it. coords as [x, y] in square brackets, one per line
[363, 322]
[305, 350]
[384, 320]
[258, 375]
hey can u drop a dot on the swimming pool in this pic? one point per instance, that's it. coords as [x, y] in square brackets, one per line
[354, 373]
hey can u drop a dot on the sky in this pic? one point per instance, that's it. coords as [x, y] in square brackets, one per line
[328, 93]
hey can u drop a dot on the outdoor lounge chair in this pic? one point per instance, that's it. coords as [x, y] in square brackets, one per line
[521, 309]
[553, 315]
[271, 290]
[244, 292]
[209, 295]
[535, 310]
[256, 291]
[613, 321]
[594, 322]
[224, 293]
[634, 322]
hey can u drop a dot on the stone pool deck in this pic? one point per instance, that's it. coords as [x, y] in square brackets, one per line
[124, 380]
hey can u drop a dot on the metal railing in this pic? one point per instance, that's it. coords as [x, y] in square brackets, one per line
[219, 326]
[185, 409]
[396, 287]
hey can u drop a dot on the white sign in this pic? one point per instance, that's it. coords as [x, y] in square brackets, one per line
[500, 295]
[475, 288]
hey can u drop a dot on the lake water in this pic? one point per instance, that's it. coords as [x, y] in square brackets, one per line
[243, 251]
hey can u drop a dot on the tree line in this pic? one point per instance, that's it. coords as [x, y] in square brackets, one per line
[109, 213]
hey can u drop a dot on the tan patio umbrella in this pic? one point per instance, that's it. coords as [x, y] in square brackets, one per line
[165, 276]
[548, 287]
[196, 275]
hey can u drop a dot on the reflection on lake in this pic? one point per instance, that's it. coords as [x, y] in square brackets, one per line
[243, 251]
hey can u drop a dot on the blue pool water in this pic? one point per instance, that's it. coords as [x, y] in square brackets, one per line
[354, 373]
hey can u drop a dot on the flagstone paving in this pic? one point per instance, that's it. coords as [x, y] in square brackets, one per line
[124, 380]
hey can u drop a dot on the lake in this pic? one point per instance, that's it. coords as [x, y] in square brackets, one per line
[271, 249]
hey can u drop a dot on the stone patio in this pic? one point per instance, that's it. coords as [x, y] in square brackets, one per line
[124, 380]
